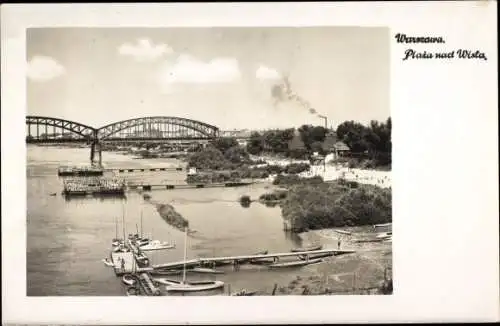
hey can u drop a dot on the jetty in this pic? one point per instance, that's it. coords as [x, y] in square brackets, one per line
[150, 186]
[129, 266]
[80, 171]
[245, 258]
[142, 169]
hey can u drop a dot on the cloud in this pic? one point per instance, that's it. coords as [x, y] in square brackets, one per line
[264, 72]
[42, 68]
[189, 70]
[144, 50]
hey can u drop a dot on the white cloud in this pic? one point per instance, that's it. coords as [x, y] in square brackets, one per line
[42, 68]
[189, 70]
[264, 72]
[144, 50]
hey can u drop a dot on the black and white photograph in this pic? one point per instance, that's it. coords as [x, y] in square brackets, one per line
[159, 160]
[208, 161]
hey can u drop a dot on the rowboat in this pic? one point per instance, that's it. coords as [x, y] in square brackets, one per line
[132, 291]
[194, 286]
[244, 292]
[165, 281]
[262, 261]
[326, 254]
[108, 263]
[297, 263]
[311, 248]
[205, 270]
[129, 279]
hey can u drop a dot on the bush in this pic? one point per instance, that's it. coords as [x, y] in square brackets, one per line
[293, 179]
[325, 205]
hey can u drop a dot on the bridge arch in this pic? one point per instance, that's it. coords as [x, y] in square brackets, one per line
[71, 126]
[186, 128]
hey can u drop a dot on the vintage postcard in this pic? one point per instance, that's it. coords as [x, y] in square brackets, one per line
[190, 161]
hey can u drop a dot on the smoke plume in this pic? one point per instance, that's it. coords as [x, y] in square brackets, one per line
[282, 92]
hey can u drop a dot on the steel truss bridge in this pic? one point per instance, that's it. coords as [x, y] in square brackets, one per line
[148, 129]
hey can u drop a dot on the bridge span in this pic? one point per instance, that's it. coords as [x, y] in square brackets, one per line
[42, 129]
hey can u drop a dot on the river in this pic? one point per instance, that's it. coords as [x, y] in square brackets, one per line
[67, 239]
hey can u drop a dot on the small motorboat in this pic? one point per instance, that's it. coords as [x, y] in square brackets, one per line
[205, 270]
[244, 292]
[129, 279]
[311, 248]
[157, 245]
[132, 291]
[108, 263]
[194, 286]
[298, 263]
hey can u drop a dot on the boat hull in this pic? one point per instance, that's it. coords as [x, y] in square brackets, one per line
[306, 249]
[195, 286]
[299, 263]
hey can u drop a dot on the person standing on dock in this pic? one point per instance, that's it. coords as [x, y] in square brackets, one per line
[123, 264]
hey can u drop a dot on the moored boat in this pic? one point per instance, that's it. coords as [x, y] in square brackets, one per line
[205, 270]
[132, 291]
[316, 256]
[195, 286]
[262, 261]
[166, 272]
[129, 279]
[297, 263]
[157, 245]
[192, 286]
[311, 248]
[343, 232]
[108, 263]
[244, 292]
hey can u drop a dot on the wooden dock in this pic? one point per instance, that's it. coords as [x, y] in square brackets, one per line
[130, 265]
[125, 170]
[197, 261]
[148, 186]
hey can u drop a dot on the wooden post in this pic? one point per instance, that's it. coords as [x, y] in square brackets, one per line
[275, 288]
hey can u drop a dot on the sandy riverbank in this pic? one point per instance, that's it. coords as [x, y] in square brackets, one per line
[358, 273]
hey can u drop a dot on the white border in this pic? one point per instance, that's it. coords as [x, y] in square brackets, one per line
[444, 174]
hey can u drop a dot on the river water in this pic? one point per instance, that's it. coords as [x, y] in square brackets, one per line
[67, 239]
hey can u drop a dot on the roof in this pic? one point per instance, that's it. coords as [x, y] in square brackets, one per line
[341, 146]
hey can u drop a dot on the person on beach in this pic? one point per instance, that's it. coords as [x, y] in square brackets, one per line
[338, 244]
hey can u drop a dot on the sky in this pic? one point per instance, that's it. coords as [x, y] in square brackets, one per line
[226, 77]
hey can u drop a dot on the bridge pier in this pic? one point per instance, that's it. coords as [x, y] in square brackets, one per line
[96, 148]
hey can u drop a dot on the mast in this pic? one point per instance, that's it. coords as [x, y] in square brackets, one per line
[123, 221]
[116, 227]
[141, 223]
[185, 256]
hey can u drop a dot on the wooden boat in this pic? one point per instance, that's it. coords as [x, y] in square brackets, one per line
[244, 292]
[297, 263]
[165, 281]
[205, 270]
[243, 261]
[326, 254]
[167, 272]
[129, 279]
[343, 232]
[132, 291]
[194, 286]
[108, 263]
[384, 235]
[262, 261]
[157, 245]
[311, 248]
